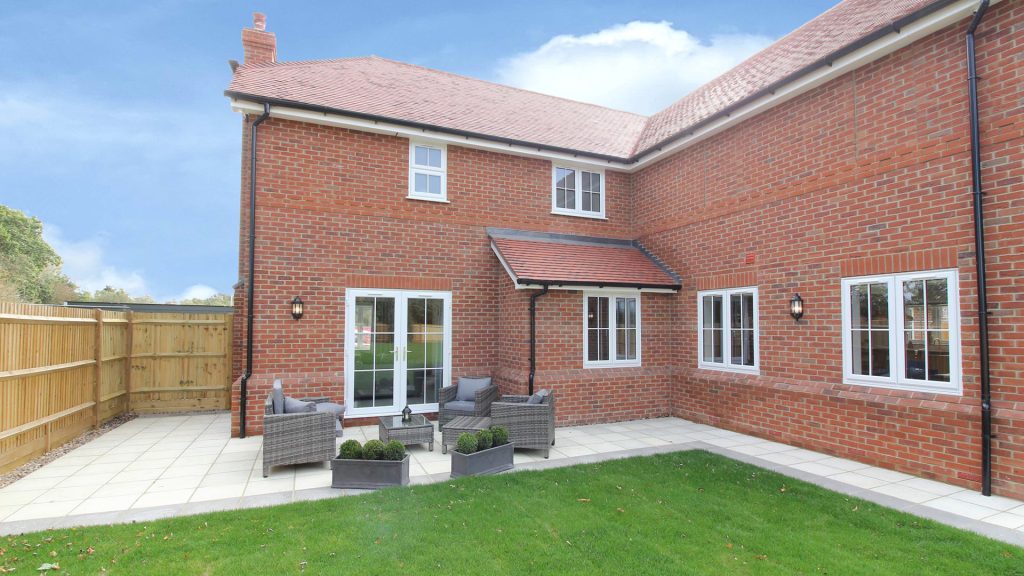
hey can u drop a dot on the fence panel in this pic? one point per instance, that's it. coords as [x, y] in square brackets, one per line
[64, 370]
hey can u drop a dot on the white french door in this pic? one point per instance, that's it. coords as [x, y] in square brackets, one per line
[397, 350]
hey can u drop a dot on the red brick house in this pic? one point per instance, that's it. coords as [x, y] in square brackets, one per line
[420, 216]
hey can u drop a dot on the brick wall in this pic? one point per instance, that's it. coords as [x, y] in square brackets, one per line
[867, 174]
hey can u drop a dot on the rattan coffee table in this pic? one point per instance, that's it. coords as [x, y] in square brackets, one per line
[456, 426]
[418, 430]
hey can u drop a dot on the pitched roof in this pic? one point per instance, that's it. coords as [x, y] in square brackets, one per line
[567, 260]
[395, 90]
[388, 90]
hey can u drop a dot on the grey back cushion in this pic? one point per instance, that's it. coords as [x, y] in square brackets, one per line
[468, 387]
[277, 397]
[539, 397]
[295, 406]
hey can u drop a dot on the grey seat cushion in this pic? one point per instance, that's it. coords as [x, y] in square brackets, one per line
[295, 406]
[460, 405]
[277, 397]
[331, 407]
[468, 387]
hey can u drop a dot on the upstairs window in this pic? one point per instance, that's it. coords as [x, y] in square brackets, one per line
[427, 172]
[611, 330]
[902, 331]
[727, 332]
[577, 192]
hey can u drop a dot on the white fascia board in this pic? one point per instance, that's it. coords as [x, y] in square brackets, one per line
[884, 46]
[392, 129]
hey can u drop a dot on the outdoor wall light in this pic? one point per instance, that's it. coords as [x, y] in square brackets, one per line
[297, 306]
[796, 307]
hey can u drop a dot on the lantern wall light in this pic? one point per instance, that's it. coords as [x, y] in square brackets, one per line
[796, 307]
[297, 307]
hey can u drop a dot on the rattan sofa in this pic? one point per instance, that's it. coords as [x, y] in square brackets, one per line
[529, 425]
[449, 407]
[297, 438]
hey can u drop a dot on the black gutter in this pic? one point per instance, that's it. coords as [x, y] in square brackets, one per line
[533, 334]
[979, 256]
[244, 387]
[422, 126]
[547, 283]
[894, 26]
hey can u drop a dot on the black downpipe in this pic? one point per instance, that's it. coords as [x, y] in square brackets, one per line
[979, 252]
[533, 333]
[244, 387]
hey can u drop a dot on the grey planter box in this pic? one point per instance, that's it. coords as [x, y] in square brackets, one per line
[488, 461]
[369, 474]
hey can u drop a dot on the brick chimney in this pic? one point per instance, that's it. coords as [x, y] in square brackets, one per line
[260, 46]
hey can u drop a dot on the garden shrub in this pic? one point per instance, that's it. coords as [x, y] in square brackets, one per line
[500, 435]
[351, 450]
[466, 444]
[373, 450]
[484, 439]
[394, 450]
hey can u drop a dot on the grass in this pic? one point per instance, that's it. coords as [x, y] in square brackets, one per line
[679, 513]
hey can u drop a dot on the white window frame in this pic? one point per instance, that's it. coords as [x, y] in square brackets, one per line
[415, 168]
[726, 365]
[578, 211]
[897, 349]
[611, 362]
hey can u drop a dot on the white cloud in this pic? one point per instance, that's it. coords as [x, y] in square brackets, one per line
[640, 66]
[201, 291]
[85, 264]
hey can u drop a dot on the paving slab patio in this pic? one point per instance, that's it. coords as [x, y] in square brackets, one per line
[160, 466]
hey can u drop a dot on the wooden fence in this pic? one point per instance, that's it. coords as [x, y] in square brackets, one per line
[65, 370]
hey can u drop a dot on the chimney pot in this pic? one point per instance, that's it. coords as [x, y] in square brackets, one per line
[259, 21]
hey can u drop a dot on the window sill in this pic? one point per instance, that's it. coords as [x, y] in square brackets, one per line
[427, 199]
[950, 390]
[579, 215]
[755, 371]
[593, 365]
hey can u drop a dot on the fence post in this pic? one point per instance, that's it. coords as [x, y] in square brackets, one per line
[98, 348]
[128, 361]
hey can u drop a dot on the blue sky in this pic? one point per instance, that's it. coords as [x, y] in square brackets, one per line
[114, 130]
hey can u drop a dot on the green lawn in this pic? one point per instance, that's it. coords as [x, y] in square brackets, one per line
[681, 513]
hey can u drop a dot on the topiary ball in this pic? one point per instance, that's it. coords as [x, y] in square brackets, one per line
[466, 444]
[373, 450]
[350, 450]
[394, 450]
[500, 435]
[484, 439]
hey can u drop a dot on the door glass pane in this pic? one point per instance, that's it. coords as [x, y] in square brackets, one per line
[424, 349]
[384, 388]
[363, 392]
[414, 385]
[383, 352]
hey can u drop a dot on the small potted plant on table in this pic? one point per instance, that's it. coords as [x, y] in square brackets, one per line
[374, 465]
[486, 452]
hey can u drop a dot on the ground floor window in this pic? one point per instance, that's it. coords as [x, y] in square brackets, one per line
[902, 331]
[611, 324]
[727, 336]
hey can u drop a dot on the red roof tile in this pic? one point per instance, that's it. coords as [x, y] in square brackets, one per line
[535, 261]
[837, 28]
[407, 93]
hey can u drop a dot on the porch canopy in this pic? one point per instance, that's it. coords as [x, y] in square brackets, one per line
[537, 259]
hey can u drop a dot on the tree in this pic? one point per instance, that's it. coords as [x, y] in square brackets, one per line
[29, 267]
[219, 299]
[115, 295]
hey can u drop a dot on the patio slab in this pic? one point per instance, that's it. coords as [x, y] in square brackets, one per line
[161, 466]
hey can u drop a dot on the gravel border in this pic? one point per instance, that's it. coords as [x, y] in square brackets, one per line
[8, 478]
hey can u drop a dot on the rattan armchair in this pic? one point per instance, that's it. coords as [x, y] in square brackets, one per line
[481, 405]
[528, 425]
[296, 438]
